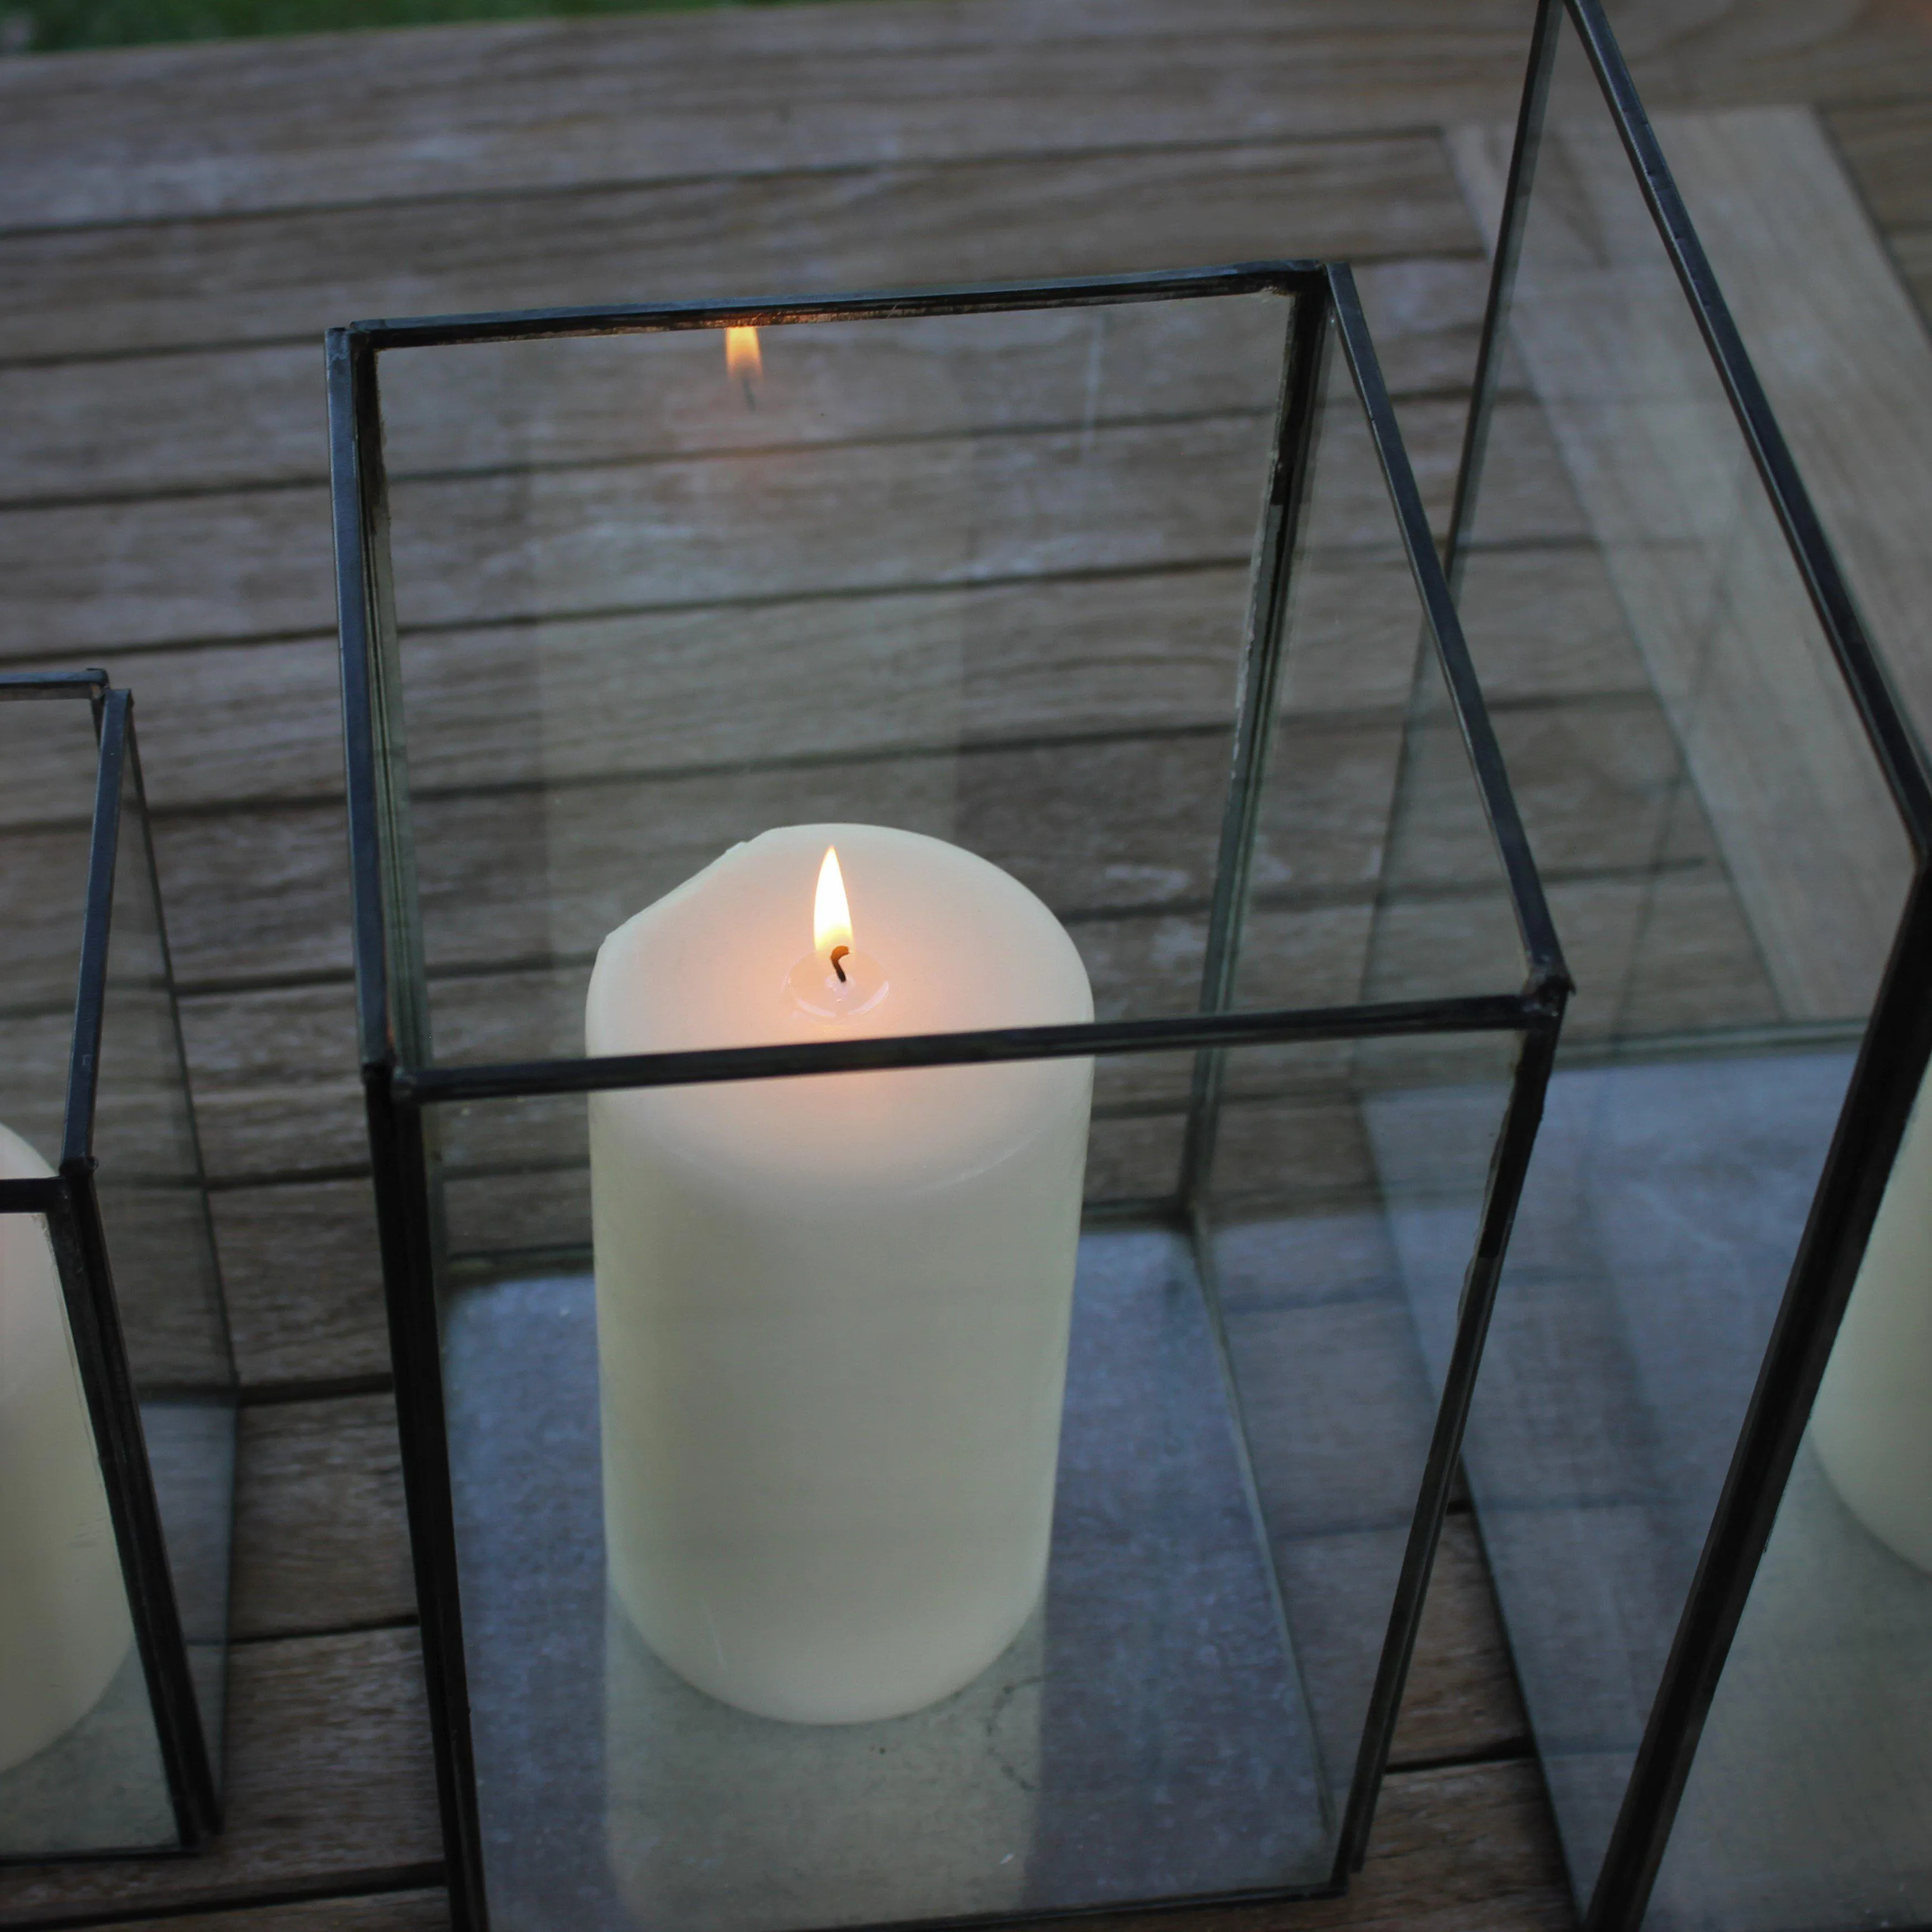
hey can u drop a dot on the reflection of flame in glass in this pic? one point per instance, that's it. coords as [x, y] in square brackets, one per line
[743, 363]
[831, 917]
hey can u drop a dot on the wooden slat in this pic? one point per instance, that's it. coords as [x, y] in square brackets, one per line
[1844, 355]
[1470, 1846]
[284, 276]
[671, 690]
[328, 1784]
[259, 895]
[1461, 1700]
[319, 1540]
[1913, 249]
[1749, 52]
[276, 1088]
[263, 721]
[488, 546]
[465, 111]
[1469, 1849]
[215, 418]
[1772, 745]
[1888, 146]
[304, 1283]
[555, 103]
[275, 1068]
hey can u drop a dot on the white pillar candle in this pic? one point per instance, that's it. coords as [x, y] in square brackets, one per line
[64, 1621]
[1872, 1423]
[832, 1312]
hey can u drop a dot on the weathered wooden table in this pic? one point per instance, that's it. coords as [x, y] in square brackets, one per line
[177, 226]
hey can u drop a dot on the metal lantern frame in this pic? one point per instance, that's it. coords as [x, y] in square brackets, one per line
[70, 1200]
[403, 1083]
[1897, 1043]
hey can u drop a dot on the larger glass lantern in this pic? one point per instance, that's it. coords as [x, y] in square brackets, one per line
[1703, 1456]
[117, 1388]
[1067, 670]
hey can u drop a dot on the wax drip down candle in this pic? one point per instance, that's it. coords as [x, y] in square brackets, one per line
[63, 1622]
[832, 1311]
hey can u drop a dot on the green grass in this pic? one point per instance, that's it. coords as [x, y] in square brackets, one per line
[39, 25]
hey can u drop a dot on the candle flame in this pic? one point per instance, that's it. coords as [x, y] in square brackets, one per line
[743, 363]
[831, 917]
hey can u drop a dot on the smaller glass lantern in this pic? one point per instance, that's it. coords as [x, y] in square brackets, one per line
[117, 1386]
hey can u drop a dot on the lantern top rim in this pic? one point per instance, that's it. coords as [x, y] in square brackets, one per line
[1289, 276]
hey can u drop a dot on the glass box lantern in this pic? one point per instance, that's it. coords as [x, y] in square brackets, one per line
[1702, 1456]
[117, 1388]
[1089, 651]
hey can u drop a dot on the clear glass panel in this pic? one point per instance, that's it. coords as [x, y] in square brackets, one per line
[1814, 1772]
[1347, 1184]
[1726, 871]
[167, 1285]
[80, 1768]
[1144, 1735]
[985, 579]
[1348, 1176]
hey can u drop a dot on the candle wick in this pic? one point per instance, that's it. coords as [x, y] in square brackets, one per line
[839, 952]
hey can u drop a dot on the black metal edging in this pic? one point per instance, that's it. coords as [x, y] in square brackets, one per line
[80, 1246]
[1545, 998]
[1509, 1169]
[1483, 1012]
[359, 498]
[400, 1162]
[198, 1179]
[31, 685]
[1899, 755]
[351, 370]
[1284, 505]
[1534, 926]
[1279, 277]
[1491, 350]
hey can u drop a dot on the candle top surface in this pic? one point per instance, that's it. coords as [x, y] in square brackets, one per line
[941, 940]
[959, 943]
